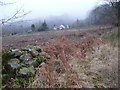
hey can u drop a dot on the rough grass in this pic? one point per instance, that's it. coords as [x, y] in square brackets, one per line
[89, 63]
[102, 66]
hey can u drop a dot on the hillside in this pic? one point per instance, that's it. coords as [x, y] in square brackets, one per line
[18, 41]
[78, 58]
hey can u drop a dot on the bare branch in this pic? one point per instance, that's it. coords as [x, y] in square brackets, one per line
[15, 16]
[3, 3]
[18, 14]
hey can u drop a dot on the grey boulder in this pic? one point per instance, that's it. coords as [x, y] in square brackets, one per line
[25, 57]
[14, 63]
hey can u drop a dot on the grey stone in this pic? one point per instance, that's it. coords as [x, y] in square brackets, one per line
[32, 63]
[15, 52]
[25, 57]
[35, 64]
[24, 70]
[14, 63]
[34, 52]
[29, 62]
[18, 53]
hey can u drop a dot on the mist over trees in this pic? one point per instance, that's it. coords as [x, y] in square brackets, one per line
[106, 14]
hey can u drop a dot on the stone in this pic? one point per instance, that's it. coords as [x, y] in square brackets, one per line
[25, 57]
[27, 48]
[34, 52]
[23, 63]
[14, 63]
[24, 71]
[15, 52]
[29, 62]
[35, 64]
[32, 63]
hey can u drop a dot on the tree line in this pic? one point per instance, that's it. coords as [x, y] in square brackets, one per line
[106, 14]
[43, 27]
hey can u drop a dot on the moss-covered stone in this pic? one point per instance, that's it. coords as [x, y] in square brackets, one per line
[34, 53]
[19, 65]
[29, 47]
[15, 52]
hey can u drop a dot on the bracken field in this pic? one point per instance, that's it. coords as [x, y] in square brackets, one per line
[78, 58]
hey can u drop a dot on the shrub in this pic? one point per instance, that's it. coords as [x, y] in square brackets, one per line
[43, 27]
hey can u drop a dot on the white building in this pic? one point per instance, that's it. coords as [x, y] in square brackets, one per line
[55, 28]
[61, 27]
[67, 26]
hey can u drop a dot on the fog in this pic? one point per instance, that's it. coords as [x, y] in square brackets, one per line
[48, 8]
[54, 12]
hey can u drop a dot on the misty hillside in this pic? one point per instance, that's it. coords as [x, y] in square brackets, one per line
[60, 44]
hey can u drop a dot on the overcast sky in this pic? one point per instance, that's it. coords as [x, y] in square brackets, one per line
[45, 8]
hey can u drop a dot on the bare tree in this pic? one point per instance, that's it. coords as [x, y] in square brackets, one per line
[115, 4]
[106, 14]
[18, 14]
